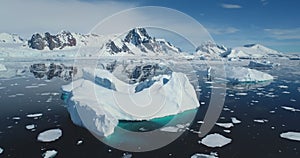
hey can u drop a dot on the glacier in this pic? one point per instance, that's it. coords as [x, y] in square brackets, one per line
[98, 99]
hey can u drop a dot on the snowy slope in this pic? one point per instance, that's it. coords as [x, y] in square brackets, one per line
[210, 50]
[138, 42]
[253, 51]
[10, 38]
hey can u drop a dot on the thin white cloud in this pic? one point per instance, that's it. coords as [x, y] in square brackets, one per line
[284, 34]
[27, 17]
[220, 31]
[231, 6]
[264, 2]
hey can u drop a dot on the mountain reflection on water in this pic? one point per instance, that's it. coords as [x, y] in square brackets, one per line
[41, 70]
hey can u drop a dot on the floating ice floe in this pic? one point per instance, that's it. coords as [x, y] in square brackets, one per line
[1, 150]
[79, 142]
[291, 135]
[225, 125]
[260, 120]
[215, 140]
[127, 155]
[235, 120]
[241, 94]
[32, 86]
[50, 154]
[283, 86]
[34, 115]
[2, 67]
[49, 135]
[203, 156]
[16, 118]
[290, 109]
[30, 127]
[111, 99]
[170, 129]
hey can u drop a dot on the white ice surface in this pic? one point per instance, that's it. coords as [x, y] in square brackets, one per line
[49, 135]
[225, 125]
[215, 140]
[2, 67]
[290, 108]
[29, 127]
[203, 156]
[235, 120]
[99, 104]
[50, 154]
[291, 135]
[1, 150]
[34, 115]
[170, 129]
[242, 74]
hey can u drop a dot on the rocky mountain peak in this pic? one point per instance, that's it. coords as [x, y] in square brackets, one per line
[137, 36]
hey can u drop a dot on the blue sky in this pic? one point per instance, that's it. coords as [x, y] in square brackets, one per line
[274, 23]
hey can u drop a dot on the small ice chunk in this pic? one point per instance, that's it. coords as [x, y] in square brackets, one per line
[34, 115]
[49, 99]
[226, 109]
[16, 118]
[225, 125]
[290, 109]
[235, 120]
[200, 122]
[283, 86]
[46, 93]
[127, 155]
[31, 86]
[203, 156]
[50, 135]
[50, 154]
[1, 150]
[260, 120]
[241, 94]
[291, 135]
[226, 131]
[215, 140]
[2, 67]
[79, 142]
[293, 100]
[170, 129]
[30, 127]
[286, 92]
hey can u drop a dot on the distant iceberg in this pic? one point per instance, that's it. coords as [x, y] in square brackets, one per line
[99, 100]
[241, 75]
[2, 67]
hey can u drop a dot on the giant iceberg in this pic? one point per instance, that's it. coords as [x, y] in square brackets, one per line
[98, 99]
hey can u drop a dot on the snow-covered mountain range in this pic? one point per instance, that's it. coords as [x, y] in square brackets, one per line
[136, 42]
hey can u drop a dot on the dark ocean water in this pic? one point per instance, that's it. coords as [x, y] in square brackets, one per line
[28, 95]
